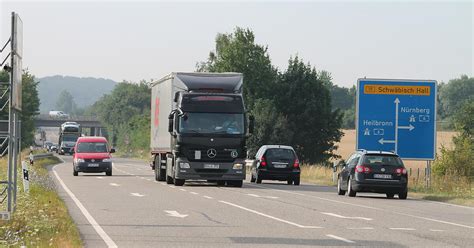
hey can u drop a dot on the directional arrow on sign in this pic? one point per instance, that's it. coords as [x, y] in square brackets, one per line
[382, 141]
[410, 127]
[173, 213]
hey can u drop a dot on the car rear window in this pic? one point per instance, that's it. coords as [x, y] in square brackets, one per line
[382, 160]
[91, 147]
[279, 153]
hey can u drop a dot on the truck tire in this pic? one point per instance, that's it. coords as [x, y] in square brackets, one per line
[160, 174]
[179, 182]
[169, 180]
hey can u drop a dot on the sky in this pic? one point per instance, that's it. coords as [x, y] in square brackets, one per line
[147, 40]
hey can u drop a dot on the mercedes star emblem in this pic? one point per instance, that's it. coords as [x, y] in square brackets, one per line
[211, 153]
[93, 160]
[383, 169]
[234, 154]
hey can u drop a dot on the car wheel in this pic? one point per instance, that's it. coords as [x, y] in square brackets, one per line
[403, 195]
[289, 182]
[296, 181]
[252, 178]
[75, 173]
[340, 191]
[169, 180]
[108, 173]
[235, 183]
[258, 179]
[220, 183]
[390, 195]
[179, 182]
[350, 191]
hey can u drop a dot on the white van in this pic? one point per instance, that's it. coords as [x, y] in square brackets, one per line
[58, 114]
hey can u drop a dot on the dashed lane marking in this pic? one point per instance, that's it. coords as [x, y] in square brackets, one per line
[268, 216]
[341, 239]
[402, 228]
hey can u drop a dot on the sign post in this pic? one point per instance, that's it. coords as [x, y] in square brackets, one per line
[26, 179]
[397, 116]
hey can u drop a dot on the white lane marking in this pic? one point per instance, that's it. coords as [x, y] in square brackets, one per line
[114, 184]
[194, 193]
[110, 243]
[360, 228]
[346, 217]
[173, 213]
[340, 238]
[436, 230]
[99, 177]
[268, 216]
[148, 179]
[208, 197]
[137, 194]
[182, 189]
[448, 204]
[402, 228]
[172, 186]
[363, 206]
[164, 184]
[258, 196]
[142, 178]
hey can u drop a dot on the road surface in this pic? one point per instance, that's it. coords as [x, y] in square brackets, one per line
[130, 209]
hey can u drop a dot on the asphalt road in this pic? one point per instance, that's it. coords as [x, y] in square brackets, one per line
[130, 209]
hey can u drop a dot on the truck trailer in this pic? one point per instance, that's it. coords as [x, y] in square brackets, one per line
[199, 128]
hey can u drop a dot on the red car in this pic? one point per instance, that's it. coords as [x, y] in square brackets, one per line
[92, 154]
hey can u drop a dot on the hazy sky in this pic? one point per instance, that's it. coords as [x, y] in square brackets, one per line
[145, 40]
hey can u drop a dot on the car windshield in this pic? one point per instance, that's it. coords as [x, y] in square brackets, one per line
[382, 160]
[91, 147]
[279, 153]
[222, 123]
[70, 138]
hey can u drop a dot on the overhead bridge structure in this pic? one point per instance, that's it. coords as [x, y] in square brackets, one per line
[87, 123]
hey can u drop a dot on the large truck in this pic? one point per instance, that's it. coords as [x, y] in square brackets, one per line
[199, 128]
[69, 132]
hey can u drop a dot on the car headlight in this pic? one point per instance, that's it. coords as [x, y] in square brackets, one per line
[79, 160]
[107, 160]
[238, 166]
[184, 165]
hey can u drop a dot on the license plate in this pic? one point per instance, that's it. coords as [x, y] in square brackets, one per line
[93, 165]
[211, 166]
[197, 154]
[279, 165]
[383, 176]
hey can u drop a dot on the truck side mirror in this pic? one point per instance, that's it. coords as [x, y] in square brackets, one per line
[170, 122]
[251, 124]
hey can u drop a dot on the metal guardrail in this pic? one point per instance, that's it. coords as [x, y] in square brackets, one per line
[43, 155]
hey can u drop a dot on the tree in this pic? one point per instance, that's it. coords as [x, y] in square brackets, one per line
[272, 128]
[66, 102]
[238, 52]
[303, 97]
[454, 94]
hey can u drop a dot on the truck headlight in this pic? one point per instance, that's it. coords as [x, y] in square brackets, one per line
[107, 160]
[79, 160]
[184, 165]
[238, 166]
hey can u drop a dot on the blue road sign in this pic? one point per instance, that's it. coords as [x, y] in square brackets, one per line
[397, 116]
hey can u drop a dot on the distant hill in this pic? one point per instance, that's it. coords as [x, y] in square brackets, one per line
[86, 91]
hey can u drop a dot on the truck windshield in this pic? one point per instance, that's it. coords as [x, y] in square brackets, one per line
[221, 123]
[70, 138]
[91, 147]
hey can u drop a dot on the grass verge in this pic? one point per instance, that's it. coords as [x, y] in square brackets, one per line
[41, 218]
[450, 189]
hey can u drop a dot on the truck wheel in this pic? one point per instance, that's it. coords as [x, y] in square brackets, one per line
[238, 183]
[179, 182]
[169, 180]
[160, 174]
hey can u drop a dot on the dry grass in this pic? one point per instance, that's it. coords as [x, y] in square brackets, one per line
[41, 218]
